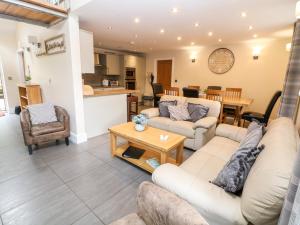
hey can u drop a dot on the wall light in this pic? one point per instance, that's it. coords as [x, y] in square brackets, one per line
[256, 52]
[288, 47]
[298, 10]
[193, 56]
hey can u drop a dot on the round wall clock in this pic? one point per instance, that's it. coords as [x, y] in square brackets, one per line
[221, 61]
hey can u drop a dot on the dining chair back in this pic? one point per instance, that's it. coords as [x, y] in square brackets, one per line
[233, 92]
[194, 87]
[215, 95]
[174, 91]
[157, 88]
[190, 92]
[214, 88]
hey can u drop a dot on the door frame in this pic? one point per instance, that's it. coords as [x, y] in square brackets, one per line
[155, 68]
[2, 80]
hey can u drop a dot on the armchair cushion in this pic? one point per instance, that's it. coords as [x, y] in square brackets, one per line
[150, 113]
[205, 122]
[46, 128]
[42, 113]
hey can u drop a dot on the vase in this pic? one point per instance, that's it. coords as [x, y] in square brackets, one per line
[139, 127]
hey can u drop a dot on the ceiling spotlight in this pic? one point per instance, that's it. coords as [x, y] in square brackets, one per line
[250, 27]
[255, 35]
[174, 10]
[136, 20]
[244, 14]
[179, 38]
[132, 42]
[192, 43]
[136, 36]
[220, 40]
[210, 34]
[109, 28]
[196, 24]
[162, 31]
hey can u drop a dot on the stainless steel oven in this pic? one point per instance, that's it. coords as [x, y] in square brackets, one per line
[130, 73]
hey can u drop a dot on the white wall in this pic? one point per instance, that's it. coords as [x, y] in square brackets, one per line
[8, 57]
[59, 75]
[258, 78]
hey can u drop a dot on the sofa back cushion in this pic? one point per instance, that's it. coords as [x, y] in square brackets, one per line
[267, 182]
[180, 100]
[214, 106]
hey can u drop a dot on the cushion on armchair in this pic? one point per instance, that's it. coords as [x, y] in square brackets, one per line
[42, 113]
[46, 128]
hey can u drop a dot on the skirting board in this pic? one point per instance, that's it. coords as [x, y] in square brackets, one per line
[78, 138]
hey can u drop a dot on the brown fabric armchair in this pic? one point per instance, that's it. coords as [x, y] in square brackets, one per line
[41, 133]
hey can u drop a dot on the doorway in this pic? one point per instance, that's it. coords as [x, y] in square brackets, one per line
[3, 102]
[164, 72]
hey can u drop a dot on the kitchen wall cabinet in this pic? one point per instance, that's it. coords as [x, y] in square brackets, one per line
[86, 51]
[130, 61]
[113, 64]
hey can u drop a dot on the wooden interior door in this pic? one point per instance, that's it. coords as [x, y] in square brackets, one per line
[164, 73]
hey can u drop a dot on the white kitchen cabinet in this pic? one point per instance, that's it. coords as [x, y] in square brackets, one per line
[87, 51]
[130, 61]
[113, 64]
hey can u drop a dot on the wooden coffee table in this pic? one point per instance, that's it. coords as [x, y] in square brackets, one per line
[148, 140]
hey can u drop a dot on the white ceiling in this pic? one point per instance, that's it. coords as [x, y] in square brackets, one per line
[269, 18]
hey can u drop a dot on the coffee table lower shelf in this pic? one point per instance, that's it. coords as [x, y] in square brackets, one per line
[141, 162]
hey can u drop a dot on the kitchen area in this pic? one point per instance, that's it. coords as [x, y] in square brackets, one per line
[109, 79]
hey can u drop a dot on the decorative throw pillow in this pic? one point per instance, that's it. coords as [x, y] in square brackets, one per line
[253, 136]
[163, 108]
[179, 112]
[42, 113]
[234, 174]
[197, 111]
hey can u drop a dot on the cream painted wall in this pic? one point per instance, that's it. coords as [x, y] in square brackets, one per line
[8, 57]
[258, 78]
[59, 75]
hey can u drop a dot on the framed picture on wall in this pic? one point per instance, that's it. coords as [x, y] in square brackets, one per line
[55, 45]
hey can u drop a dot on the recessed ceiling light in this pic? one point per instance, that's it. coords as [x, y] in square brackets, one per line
[136, 20]
[255, 35]
[220, 40]
[132, 42]
[192, 43]
[109, 28]
[210, 34]
[136, 36]
[196, 24]
[250, 27]
[244, 14]
[175, 10]
[162, 31]
[150, 49]
[179, 38]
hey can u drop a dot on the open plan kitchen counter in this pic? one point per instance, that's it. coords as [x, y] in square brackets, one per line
[104, 109]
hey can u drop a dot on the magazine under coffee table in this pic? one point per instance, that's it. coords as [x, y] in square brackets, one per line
[148, 140]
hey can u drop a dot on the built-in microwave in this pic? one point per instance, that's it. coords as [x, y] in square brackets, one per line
[130, 73]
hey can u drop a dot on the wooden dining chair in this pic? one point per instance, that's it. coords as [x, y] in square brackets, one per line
[194, 87]
[174, 91]
[230, 111]
[215, 95]
[214, 88]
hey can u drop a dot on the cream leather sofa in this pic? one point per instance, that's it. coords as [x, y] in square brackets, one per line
[261, 200]
[198, 133]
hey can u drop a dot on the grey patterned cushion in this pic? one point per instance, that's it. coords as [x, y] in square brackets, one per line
[179, 112]
[42, 113]
[163, 108]
[254, 135]
[197, 111]
[234, 174]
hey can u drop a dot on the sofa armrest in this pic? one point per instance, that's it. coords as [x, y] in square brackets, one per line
[159, 206]
[149, 113]
[232, 132]
[206, 122]
[26, 126]
[211, 201]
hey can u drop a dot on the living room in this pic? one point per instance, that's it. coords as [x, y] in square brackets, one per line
[149, 112]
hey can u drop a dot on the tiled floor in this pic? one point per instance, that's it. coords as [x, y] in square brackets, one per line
[62, 185]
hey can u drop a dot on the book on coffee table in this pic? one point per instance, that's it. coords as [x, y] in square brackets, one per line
[134, 153]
